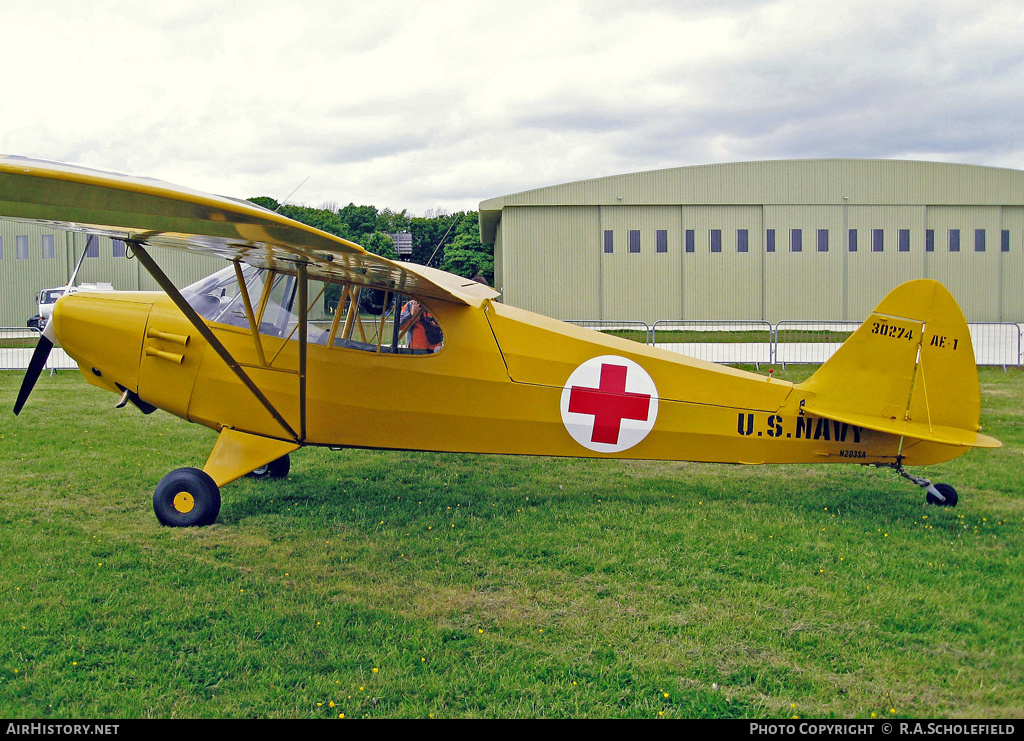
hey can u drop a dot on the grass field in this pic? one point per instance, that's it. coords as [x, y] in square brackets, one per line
[390, 584]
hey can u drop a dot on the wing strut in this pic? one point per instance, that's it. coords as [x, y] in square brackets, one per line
[303, 332]
[197, 321]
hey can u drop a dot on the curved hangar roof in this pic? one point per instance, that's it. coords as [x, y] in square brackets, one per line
[802, 182]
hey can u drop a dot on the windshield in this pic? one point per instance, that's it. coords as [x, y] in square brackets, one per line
[213, 296]
[50, 296]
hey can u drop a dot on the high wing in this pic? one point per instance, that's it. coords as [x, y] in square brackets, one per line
[159, 214]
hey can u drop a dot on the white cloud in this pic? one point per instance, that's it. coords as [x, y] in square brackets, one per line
[419, 105]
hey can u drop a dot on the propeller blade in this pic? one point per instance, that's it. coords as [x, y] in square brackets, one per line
[36, 365]
[46, 342]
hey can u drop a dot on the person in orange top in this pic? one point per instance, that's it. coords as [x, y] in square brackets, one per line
[426, 333]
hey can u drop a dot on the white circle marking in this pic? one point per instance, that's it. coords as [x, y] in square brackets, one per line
[609, 404]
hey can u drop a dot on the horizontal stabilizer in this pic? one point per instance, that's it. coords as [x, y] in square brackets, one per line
[917, 430]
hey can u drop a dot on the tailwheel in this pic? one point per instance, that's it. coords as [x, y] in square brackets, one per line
[186, 497]
[274, 470]
[949, 497]
[941, 495]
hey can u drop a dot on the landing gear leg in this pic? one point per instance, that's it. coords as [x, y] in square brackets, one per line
[941, 495]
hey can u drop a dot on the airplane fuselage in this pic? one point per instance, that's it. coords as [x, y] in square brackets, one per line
[505, 381]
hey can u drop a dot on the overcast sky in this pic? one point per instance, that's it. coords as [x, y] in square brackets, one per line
[426, 105]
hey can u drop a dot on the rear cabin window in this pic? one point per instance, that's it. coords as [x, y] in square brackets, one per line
[338, 314]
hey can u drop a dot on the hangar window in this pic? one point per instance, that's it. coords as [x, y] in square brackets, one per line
[769, 242]
[954, 240]
[796, 240]
[823, 240]
[929, 240]
[904, 240]
[609, 241]
[661, 240]
[1005, 245]
[689, 240]
[48, 251]
[852, 240]
[979, 240]
[92, 246]
[21, 247]
[634, 240]
[742, 240]
[877, 240]
[716, 240]
[119, 250]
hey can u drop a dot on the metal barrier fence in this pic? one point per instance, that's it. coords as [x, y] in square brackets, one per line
[17, 344]
[757, 342]
[997, 343]
[810, 342]
[748, 342]
[636, 331]
[734, 342]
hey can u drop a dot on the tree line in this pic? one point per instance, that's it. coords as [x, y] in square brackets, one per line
[450, 242]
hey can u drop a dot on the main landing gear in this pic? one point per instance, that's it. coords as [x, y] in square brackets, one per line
[274, 470]
[941, 495]
[186, 497]
[189, 497]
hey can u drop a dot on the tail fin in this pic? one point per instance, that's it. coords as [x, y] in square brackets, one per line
[909, 370]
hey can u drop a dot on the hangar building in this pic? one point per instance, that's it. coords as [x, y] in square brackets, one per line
[798, 239]
[37, 256]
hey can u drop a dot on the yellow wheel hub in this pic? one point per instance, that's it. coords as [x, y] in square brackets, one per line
[183, 502]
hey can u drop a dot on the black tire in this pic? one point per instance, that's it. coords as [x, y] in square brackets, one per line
[945, 490]
[186, 497]
[274, 470]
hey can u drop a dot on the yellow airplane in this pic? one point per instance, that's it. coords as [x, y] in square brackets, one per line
[307, 339]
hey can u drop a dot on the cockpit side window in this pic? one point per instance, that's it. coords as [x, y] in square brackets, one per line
[338, 315]
[371, 319]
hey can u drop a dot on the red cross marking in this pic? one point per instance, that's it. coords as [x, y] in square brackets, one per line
[610, 404]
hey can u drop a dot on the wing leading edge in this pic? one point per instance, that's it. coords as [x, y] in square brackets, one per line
[164, 215]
